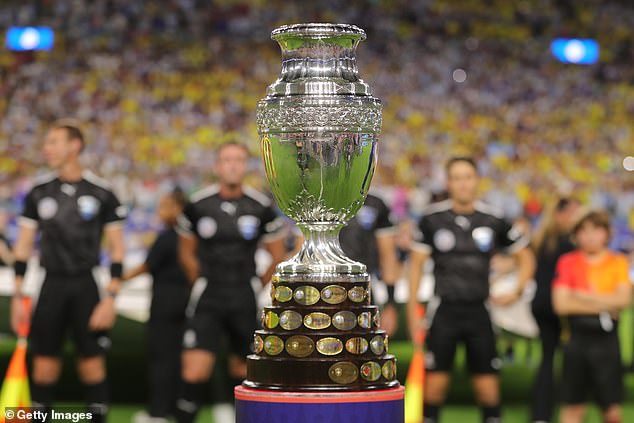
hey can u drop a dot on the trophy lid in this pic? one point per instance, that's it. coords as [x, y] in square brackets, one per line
[318, 59]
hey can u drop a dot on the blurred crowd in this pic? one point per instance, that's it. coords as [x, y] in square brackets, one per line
[156, 85]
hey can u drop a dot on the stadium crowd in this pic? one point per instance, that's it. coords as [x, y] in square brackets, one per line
[156, 85]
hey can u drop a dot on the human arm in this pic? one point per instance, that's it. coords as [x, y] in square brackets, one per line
[525, 260]
[104, 314]
[418, 257]
[22, 251]
[275, 247]
[389, 269]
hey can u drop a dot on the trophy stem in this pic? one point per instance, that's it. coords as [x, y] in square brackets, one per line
[321, 252]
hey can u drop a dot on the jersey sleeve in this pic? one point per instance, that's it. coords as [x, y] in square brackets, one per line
[563, 274]
[272, 224]
[187, 220]
[114, 212]
[29, 216]
[423, 238]
[510, 237]
[384, 224]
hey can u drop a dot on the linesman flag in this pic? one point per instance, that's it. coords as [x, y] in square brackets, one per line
[415, 377]
[15, 387]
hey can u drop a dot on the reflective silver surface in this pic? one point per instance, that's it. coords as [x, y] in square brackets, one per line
[319, 127]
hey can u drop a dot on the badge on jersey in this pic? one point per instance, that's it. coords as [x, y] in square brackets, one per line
[206, 227]
[88, 206]
[483, 237]
[248, 226]
[367, 216]
[444, 240]
[46, 208]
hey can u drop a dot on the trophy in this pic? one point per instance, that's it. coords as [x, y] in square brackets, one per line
[319, 125]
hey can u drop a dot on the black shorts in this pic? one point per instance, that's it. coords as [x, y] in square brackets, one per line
[593, 369]
[66, 302]
[222, 310]
[453, 323]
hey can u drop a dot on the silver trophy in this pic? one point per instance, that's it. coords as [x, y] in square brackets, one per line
[319, 126]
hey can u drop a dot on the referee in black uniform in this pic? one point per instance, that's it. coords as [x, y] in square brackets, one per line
[220, 230]
[72, 209]
[460, 235]
[370, 238]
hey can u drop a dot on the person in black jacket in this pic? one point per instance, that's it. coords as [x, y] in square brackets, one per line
[170, 292]
[551, 241]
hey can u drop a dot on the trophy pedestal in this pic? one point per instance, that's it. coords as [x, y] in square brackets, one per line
[259, 406]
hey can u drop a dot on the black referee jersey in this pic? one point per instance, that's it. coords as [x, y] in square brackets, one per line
[358, 237]
[461, 246]
[228, 231]
[71, 217]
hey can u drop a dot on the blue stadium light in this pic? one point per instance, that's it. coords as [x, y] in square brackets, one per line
[575, 50]
[30, 38]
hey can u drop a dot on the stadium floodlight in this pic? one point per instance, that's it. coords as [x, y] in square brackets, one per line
[30, 38]
[575, 50]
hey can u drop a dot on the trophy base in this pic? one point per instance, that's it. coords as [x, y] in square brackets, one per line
[376, 406]
[320, 374]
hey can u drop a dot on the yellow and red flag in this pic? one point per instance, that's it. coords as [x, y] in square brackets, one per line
[415, 378]
[15, 387]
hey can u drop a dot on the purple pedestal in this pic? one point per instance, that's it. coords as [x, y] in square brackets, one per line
[259, 406]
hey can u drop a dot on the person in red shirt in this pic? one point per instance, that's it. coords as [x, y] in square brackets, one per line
[591, 287]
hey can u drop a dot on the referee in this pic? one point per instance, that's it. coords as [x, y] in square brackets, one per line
[460, 235]
[220, 230]
[71, 209]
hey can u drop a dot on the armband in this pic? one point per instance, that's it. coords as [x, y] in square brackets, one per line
[19, 267]
[116, 270]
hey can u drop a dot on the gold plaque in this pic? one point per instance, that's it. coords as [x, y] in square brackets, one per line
[333, 294]
[317, 321]
[329, 346]
[344, 372]
[371, 371]
[283, 294]
[290, 320]
[299, 346]
[357, 345]
[377, 345]
[275, 279]
[273, 345]
[258, 344]
[269, 319]
[344, 320]
[306, 295]
[365, 320]
[389, 370]
[377, 319]
[273, 291]
[357, 294]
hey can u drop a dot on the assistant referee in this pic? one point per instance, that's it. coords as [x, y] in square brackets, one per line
[220, 231]
[71, 209]
[461, 235]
